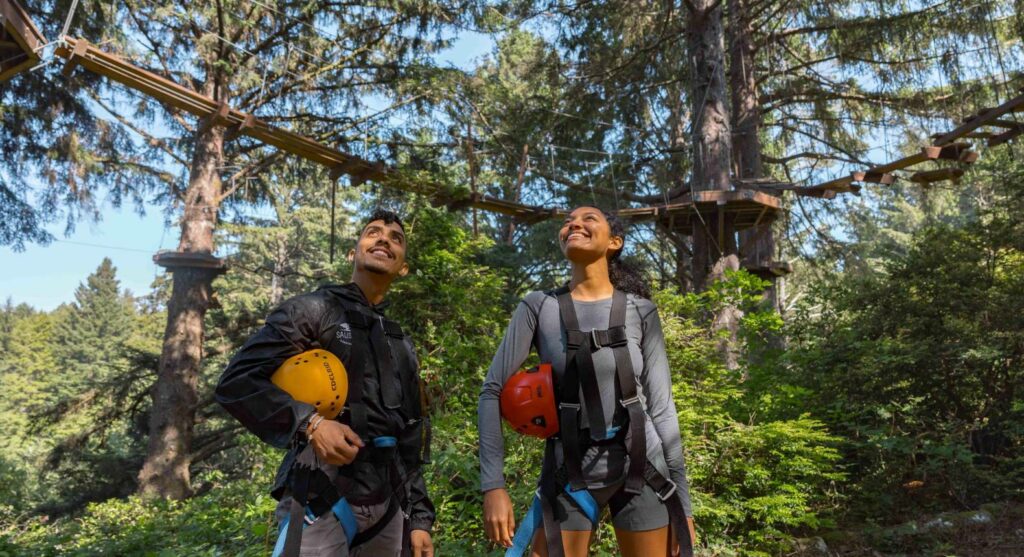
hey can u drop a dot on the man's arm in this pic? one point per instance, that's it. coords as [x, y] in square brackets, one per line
[421, 513]
[245, 389]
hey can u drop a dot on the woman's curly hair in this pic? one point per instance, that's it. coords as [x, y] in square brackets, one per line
[625, 276]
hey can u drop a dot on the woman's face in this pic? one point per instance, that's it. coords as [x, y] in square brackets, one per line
[586, 236]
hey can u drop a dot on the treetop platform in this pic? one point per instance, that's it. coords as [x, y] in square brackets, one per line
[172, 260]
[20, 40]
[746, 208]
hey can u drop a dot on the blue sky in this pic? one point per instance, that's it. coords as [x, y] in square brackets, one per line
[46, 276]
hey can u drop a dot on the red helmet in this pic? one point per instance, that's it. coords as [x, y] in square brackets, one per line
[528, 402]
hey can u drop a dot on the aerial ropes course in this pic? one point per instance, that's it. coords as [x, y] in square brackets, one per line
[748, 204]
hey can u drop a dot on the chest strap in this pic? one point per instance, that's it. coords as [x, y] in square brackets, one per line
[580, 373]
[380, 333]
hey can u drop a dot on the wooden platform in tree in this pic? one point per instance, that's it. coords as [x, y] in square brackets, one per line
[172, 260]
[768, 268]
[20, 40]
[746, 208]
[748, 205]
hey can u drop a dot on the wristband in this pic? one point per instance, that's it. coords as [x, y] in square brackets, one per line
[315, 423]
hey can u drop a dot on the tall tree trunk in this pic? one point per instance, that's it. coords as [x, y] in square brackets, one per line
[714, 236]
[756, 245]
[165, 472]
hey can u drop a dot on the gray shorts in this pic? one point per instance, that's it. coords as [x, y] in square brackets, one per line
[326, 537]
[637, 513]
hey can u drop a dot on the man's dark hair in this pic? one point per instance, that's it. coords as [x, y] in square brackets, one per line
[385, 215]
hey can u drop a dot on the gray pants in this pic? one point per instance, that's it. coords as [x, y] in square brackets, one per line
[326, 537]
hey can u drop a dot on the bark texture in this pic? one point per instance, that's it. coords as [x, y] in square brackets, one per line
[756, 245]
[714, 234]
[165, 472]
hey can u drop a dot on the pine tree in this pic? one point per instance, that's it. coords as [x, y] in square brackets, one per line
[91, 339]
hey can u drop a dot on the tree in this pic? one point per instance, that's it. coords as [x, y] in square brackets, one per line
[90, 340]
[308, 66]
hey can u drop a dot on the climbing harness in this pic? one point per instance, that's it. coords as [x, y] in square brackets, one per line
[579, 375]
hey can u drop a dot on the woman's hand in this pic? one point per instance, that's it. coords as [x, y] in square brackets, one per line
[676, 550]
[499, 518]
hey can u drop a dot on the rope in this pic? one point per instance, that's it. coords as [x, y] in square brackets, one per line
[67, 21]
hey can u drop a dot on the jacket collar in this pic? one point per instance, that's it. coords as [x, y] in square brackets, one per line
[353, 293]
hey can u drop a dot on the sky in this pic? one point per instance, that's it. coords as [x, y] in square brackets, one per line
[47, 276]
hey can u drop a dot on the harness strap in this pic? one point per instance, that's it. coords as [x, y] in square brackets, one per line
[342, 512]
[390, 386]
[569, 406]
[535, 517]
[582, 345]
[357, 363]
[666, 491]
[292, 528]
[630, 399]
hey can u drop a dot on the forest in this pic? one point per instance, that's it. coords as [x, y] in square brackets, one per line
[846, 340]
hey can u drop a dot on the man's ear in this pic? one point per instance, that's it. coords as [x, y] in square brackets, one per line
[404, 270]
[351, 255]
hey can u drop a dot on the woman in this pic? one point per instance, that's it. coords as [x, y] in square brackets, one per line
[569, 325]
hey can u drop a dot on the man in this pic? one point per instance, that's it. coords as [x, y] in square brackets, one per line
[371, 456]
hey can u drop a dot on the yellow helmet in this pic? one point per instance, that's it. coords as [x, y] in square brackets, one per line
[315, 377]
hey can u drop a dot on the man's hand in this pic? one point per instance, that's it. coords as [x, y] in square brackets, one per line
[334, 442]
[422, 545]
[499, 518]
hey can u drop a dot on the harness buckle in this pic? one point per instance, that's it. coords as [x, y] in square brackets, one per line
[635, 399]
[593, 339]
[569, 405]
[671, 490]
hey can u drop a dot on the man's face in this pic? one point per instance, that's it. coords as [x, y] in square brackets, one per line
[381, 250]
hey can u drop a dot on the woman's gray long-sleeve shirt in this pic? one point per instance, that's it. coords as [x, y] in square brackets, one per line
[537, 319]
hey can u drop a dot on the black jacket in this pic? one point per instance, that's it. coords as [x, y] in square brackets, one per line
[318, 320]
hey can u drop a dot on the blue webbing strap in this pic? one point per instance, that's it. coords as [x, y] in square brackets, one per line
[341, 510]
[533, 519]
[384, 442]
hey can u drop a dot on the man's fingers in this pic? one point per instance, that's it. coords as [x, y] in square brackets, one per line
[351, 436]
[346, 450]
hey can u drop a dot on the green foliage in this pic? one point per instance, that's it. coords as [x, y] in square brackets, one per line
[231, 519]
[922, 364]
[757, 476]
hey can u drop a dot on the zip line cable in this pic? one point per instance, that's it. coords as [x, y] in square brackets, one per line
[91, 245]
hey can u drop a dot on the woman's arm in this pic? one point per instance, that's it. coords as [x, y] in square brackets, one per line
[511, 354]
[656, 379]
[499, 517]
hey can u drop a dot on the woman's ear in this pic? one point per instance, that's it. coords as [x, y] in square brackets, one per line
[615, 243]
